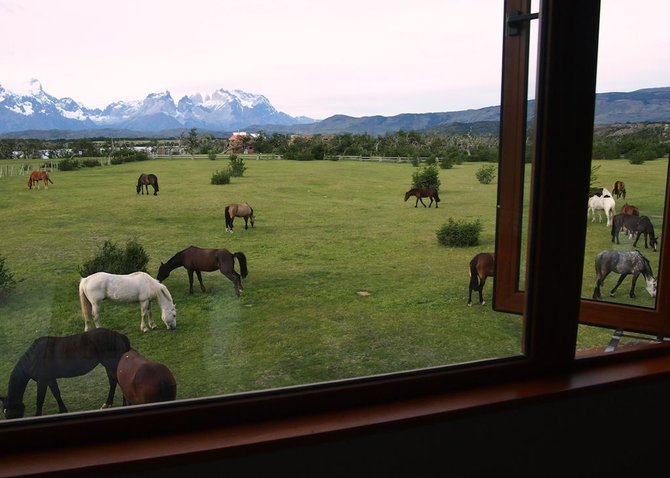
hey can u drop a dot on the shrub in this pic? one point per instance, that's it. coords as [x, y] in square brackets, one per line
[221, 177]
[237, 166]
[212, 156]
[7, 281]
[68, 164]
[486, 173]
[459, 233]
[426, 177]
[90, 163]
[110, 258]
[447, 162]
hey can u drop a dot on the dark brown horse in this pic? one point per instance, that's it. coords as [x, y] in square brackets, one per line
[196, 259]
[144, 181]
[37, 176]
[619, 189]
[144, 381]
[420, 193]
[50, 358]
[481, 267]
[239, 210]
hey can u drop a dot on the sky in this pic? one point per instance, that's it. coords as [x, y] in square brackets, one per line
[313, 58]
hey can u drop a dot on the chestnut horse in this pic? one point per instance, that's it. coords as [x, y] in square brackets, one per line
[630, 209]
[619, 189]
[144, 381]
[144, 181]
[481, 267]
[36, 177]
[196, 259]
[423, 193]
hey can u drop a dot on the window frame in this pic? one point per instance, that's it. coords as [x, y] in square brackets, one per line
[551, 303]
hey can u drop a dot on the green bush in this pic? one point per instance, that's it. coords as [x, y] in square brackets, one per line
[90, 163]
[459, 233]
[7, 281]
[212, 156]
[486, 173]
[237, 166]
[111, 258]
[68, 164]
[447, 162]
[426, 177]
[221, 177]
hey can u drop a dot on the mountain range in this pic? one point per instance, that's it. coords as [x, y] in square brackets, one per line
[35, 113]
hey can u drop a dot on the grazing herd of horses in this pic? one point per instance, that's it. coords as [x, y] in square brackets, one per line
[140, 379]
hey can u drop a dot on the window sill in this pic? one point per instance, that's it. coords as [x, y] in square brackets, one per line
[218, 443]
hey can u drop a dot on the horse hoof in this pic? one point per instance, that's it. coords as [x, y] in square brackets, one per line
[469, 304]
[104, 406]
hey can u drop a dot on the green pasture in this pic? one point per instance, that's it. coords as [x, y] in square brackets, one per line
[345, 278]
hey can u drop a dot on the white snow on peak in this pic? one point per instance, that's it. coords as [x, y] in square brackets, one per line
[32, 87]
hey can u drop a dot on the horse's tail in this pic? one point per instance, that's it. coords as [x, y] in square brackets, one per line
[437, 198]
[474, 276]
[242, 259]
[167, 390]
[156, 182]
[30, 181]
[48, 178]
[86, 307]
[226, 213]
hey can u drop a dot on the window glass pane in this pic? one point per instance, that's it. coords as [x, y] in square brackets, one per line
[631, 146]
[345, 279]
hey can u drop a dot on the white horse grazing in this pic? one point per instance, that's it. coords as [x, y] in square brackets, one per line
[136, 287]
[602, 203]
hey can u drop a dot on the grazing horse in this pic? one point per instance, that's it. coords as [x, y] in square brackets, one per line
[239, 210]
[624, 263]
[420, 193]
[37, 176]
[196, 259]
[601, 203]
[630, 209]
[644, 226]
[623, 222]
[144, 181]
[144, 381]
[136, 287]
[481, 267]
[51, 358]
[619, 189]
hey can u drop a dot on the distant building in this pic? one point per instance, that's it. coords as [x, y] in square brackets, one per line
[241, 142]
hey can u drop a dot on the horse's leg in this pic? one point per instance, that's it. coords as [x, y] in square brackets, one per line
[53, 385]
[618, 283]
[202, 286]
[235, 279]
[423, 203]
[600, 278]
[155, 192]
[246, 220]
[41, 394]
[480, 289]
[95, 312]
[416, 203]
[190, 281]
[145, 313]
[436, 206]
[111, 378]
[632, 286]
[431, 201]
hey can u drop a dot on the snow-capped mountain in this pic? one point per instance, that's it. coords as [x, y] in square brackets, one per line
[34, 109]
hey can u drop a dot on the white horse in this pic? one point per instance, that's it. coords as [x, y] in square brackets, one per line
[602, 203]
[136, 287]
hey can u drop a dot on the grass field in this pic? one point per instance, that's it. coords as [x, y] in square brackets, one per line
[325, 231]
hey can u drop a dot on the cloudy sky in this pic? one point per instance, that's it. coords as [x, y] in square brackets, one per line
[309, 57]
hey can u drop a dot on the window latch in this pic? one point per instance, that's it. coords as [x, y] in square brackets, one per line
[516, 20]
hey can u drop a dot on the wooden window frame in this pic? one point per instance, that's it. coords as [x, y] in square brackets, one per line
[201, 429]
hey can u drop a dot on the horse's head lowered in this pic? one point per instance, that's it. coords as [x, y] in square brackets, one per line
[163, 273]
[168, 311]
[12, 410]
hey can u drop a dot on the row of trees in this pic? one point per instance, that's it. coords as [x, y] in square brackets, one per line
[643, 143]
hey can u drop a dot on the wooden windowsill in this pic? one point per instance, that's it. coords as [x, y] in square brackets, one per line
[136, 453]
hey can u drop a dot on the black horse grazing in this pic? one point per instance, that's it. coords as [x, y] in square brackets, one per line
[481, 267]
[196, 259]
[636, 226]
[50, 358]
[624, 263]
[239, 210]
[423, 193]
[144, 181]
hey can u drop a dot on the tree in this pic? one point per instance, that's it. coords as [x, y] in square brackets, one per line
[192, 142]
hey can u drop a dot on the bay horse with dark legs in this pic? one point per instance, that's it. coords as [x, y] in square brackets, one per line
[239, 210]
[624, 263]
[50, 358]
[619, 189]
[196, 259]
[420, 193]
[144, 381]
[37, 176]
[146, 180]
[481, 267]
